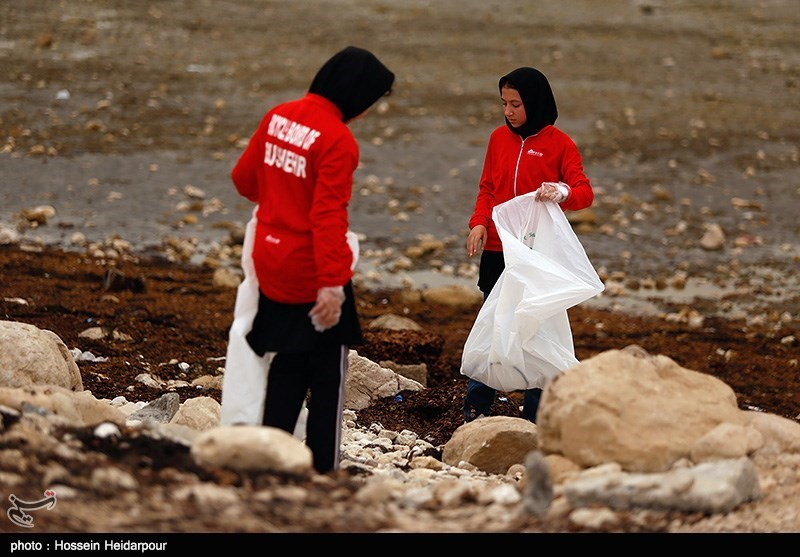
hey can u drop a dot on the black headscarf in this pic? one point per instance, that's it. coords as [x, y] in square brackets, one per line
[537, 97]
[352, 79]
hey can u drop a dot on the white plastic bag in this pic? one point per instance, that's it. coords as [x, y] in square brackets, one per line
[521, 338]
[244, 384]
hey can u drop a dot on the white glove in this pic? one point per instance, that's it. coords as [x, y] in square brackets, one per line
[553, 191]
[328, 308]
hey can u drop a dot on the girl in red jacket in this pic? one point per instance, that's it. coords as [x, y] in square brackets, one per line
[298, 168]
[526, 154]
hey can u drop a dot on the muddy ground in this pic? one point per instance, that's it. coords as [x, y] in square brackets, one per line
[172, 322]
[126, 118]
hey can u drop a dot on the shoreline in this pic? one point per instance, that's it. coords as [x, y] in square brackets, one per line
[692, 300]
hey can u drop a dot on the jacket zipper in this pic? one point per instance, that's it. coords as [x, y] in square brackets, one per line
[516, 168]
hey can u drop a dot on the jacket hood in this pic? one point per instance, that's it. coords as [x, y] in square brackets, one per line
[353, 79]
[537, 97]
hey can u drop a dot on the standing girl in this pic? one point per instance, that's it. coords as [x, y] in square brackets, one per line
[298, 168]
[526, 154]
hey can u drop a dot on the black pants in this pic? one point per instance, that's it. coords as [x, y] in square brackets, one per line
[320, 374]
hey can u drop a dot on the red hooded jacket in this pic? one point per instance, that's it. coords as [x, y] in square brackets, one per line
[299, 168]
[514, 166]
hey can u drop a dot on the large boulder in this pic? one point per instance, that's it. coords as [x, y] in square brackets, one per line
[642, 411]
[32, 356]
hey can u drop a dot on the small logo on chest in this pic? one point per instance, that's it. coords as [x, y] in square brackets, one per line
[535, 153]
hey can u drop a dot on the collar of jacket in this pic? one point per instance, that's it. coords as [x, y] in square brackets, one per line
[324, 103]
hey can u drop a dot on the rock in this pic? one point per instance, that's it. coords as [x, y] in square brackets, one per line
[713, 238]
[781, 435]
[644, 412]
[492, 444]
[415, 372]
[78, 407]
[538, 485]
[713, 487]
[33, 356]
[366, 380]
[8, 236]
[394, 322]
[201, 413]
[227, 278]
[727, 441]
[161, 410]
[452, 295]
[252, 448]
